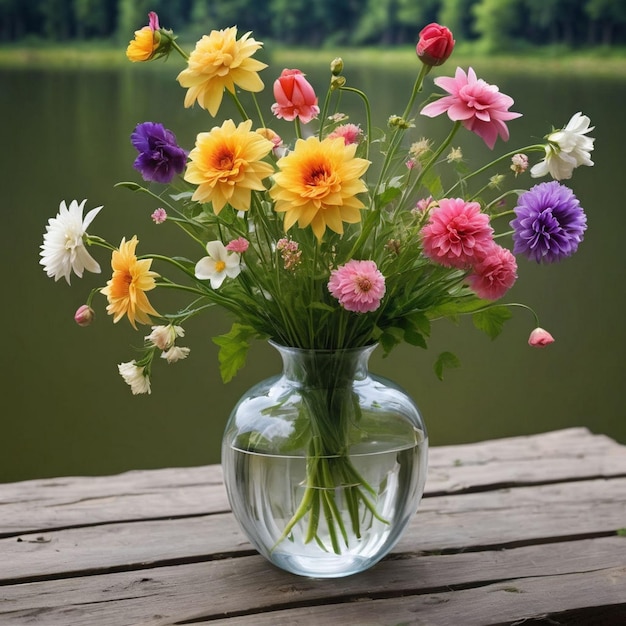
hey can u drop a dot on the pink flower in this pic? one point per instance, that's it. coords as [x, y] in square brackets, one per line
[477, 104]
[294, 97]
[358, 285]
[435, 44]
[159, 215]
[238, 245]
[540, 338]
[457, 234]
[84, 315]
[153, 21]
[495, 274]
[350, 133]
[290, 252]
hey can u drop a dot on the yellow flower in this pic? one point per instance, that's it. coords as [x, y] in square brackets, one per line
[317, 185]
[131, 278]
[143, 46]
[220, 61]
[226, 165]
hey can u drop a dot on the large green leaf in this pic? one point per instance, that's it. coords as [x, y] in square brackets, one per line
[491, 320]
[234, 347]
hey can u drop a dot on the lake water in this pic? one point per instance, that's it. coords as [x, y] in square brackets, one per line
[67, 411]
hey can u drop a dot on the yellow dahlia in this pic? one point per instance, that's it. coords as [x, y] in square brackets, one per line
[317, 185]
[143, 46]
[126, 289]
[221, 61]
[226, 165]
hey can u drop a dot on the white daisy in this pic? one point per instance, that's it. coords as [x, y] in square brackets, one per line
[566, 149]
[63, 248]
[163, 337]
[175, 353]
[218, 265]
[134, 376]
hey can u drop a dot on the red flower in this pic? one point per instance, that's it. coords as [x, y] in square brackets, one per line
[295, 97]
[435, 44]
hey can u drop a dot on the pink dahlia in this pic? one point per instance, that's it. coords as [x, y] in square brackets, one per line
[457, 234]
[358, 285]
[495, 274]
[477, 104]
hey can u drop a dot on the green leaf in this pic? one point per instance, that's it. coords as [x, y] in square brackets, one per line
[445, 360]
[390, 338]
[183, 195]
[234, 347]
[389, 194]
[491, 321]
[129, 185]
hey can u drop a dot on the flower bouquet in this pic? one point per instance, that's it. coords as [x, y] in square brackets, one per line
[324, 235]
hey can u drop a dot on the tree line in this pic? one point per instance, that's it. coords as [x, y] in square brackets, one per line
[492, 25]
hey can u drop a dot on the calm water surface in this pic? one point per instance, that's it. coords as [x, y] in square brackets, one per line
[67, 411]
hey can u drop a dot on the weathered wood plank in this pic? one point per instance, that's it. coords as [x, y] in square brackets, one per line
[212, 590]
[33, 506]
[514, 602]
[446, 523]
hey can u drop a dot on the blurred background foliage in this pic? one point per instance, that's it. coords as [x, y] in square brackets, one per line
[484, 25]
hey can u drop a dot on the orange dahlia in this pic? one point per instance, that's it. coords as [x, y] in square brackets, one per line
[126, 289]
[227, 165]
[317, 185]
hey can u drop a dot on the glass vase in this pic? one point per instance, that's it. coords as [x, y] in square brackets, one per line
[325, 464]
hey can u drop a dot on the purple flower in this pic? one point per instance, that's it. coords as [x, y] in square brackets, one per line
[550, 223]
[160, 158]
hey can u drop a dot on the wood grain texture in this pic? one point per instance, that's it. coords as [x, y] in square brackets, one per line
[526, 530]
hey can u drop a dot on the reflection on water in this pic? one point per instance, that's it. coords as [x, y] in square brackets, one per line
[67, 411]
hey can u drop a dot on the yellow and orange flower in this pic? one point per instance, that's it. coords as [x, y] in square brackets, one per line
[317, 185]
[227, 165]
[221, 61]
[126, 289]
[144, 45]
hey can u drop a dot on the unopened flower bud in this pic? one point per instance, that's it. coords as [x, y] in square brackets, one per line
[435, 44]
[84, 315]
[540, 338]
[336, 66]
[496, 181]
[395, 121]
[336, 82]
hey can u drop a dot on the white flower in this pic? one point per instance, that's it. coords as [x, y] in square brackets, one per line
[218, 265]
[175, 353]
[134, 376]
[163, 337]
[566, 149]
[63, 249]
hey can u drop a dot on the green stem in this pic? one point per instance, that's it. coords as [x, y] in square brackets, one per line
[480, 170]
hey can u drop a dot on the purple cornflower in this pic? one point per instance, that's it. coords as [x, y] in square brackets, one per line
[550, 223]
[160, 158]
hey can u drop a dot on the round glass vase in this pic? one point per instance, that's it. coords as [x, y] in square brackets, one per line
[325, 464]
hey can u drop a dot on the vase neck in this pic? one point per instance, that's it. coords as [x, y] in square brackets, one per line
[324, 368]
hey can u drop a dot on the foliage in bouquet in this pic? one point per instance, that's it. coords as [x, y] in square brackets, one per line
[332, 234]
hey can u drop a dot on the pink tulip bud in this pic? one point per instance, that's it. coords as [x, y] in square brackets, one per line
[435, 44]
[153, 21]
[84, 315]
[540, 338]
[295, 97]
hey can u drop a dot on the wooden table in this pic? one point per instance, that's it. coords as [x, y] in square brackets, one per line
[526, 530]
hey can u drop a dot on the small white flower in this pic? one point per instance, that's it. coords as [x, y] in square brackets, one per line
[63, 249]
[566, 149]
[175, 353]
[218, 265]
[134, 376]
[163, 337]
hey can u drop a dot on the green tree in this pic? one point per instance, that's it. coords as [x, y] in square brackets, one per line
[458, 17]
[606, 16]
[497, 22]
[132, 15]
[91, 18]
